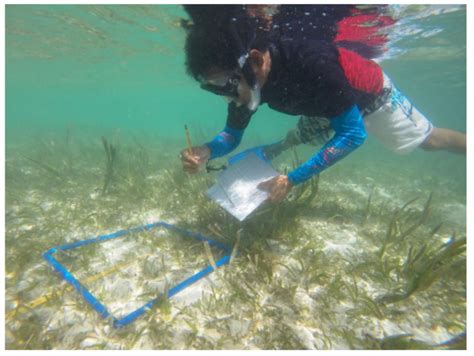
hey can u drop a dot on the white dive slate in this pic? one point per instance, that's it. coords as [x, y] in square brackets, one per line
[236, 189]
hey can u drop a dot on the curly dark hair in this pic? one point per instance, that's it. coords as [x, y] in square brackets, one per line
[205, 50]
[210, 42]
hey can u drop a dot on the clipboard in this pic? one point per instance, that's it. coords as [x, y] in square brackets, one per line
[236, 188]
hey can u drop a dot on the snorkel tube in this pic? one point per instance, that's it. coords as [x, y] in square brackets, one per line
[244, 65]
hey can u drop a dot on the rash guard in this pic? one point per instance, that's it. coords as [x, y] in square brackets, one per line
[312, 78]
[228, 139]
[225, 142]
[349, 134]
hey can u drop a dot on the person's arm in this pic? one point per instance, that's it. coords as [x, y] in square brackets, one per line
[349, 134]
[225, 142]
[228, 139]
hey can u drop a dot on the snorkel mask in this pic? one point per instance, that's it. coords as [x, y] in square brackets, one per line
[230, 86]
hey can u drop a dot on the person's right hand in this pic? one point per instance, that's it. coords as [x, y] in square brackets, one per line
[193, 160]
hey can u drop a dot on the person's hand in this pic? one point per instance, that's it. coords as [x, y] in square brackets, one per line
[277, 187]
[193, 160]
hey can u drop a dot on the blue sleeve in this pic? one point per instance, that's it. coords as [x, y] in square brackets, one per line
[349, 134]
[226, 141]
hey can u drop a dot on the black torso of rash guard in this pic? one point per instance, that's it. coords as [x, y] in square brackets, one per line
[305, 79]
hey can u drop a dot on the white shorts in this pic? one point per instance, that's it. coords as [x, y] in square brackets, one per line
[397, 124]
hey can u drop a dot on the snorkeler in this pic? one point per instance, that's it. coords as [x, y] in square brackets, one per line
[314, 61]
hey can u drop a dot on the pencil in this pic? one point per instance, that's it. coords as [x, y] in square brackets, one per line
[188, 139]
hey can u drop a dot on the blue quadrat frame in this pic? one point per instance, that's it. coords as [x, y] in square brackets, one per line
[129, 318]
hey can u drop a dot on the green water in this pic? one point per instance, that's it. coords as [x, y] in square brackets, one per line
[106, 68]
[77, 73]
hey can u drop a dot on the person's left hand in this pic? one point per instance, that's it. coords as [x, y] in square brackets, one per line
[277, 187]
